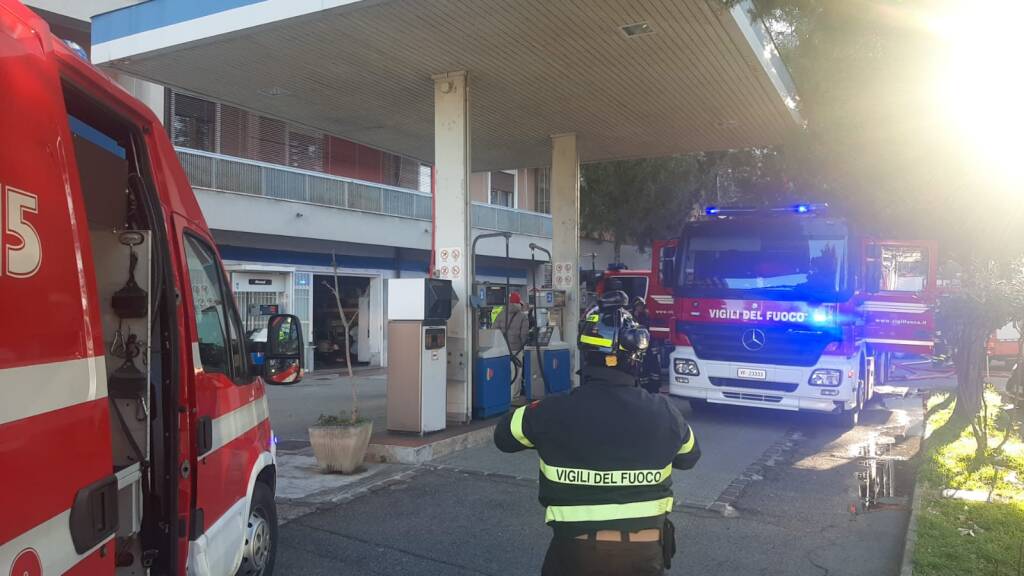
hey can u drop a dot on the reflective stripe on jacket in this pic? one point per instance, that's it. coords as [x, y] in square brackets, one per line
[606, 453]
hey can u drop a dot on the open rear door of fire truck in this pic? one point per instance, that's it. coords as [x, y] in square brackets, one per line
[898, 305]
[58, 508]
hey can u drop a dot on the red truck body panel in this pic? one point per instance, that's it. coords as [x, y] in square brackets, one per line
[55, 414]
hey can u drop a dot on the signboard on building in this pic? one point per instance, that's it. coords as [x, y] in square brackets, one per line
[449, 264]
[563, 275]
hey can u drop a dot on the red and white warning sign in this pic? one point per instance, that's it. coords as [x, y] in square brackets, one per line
[563, 276]
[449, 264]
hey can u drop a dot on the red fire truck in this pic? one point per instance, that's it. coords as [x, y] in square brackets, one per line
[654, 285]
[1003, 345]
[791, 309]
[134, 435]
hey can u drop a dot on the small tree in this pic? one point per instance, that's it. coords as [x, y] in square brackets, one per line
[346, 321]
[991, 295]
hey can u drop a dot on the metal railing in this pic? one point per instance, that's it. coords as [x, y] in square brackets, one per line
[492, 217]
[230, 174]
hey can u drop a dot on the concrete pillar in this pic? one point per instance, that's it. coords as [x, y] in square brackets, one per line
[565, 221]
[150, 94]
[452, 228]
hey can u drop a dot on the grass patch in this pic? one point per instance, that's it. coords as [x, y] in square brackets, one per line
[955, 537]
[950, 452]
[942, 548]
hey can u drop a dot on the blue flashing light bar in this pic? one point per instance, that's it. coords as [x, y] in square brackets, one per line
[722, 212]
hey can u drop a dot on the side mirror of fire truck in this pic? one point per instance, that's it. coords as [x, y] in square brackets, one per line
[282, 362]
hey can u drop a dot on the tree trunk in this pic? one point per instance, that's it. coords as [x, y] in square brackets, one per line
[346, 323]
[617, 251]
[970, 363]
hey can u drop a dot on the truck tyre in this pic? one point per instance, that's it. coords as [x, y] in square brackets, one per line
[848, 419]
[260, 547]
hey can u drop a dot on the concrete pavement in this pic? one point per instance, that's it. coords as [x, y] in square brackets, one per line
[476, 511]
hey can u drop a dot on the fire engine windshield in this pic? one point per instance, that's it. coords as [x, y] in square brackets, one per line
[777, 260]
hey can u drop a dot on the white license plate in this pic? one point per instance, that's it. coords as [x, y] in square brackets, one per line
[751, 374]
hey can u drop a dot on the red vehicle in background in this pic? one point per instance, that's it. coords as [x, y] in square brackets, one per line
[654, 285]
[1004, 345]
[792, 309]
[134, 429]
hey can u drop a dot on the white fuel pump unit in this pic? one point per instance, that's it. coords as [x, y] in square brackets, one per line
[418, 311]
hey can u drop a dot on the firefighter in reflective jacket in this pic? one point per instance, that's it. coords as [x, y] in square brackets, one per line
[606, 456]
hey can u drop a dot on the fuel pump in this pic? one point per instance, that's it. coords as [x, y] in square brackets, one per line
[492, 365]
[546, 366]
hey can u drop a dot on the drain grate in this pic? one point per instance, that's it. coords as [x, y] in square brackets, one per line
[877, 478]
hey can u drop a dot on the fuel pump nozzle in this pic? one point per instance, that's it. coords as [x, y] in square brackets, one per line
[535, 247]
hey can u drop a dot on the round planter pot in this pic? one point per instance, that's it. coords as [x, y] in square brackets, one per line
[340, 448]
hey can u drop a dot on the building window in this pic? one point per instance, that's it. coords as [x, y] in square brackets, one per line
[542, 196]
[193, 123]
[425, 179]
[210, 126]
[306, 151]
[503, 188]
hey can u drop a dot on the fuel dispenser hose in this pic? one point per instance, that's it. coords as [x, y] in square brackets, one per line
[533, 311]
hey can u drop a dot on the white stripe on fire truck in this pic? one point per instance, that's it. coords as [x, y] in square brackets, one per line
[892, 341]
[886, 306]
[40, 388]
[662, 299]
[52, 542]
[230, 426]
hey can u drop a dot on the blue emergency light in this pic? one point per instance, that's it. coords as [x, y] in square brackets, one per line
[722, 212]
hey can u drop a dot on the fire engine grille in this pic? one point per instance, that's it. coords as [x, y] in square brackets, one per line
[754, 397]
[781, 346]
[755, 384]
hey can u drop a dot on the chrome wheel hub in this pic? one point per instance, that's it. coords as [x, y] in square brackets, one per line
[257, 545]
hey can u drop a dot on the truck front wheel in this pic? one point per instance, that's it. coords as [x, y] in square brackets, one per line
[850, 418]
[260, 535]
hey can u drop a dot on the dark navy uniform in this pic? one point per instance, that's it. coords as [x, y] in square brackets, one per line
[606, 453]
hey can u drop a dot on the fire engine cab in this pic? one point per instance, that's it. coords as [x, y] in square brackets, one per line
[791, 309]
[134, 434]
[654, 285]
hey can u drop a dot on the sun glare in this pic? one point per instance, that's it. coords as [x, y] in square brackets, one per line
[981, 84]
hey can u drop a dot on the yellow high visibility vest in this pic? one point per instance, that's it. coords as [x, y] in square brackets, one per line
[495, 312]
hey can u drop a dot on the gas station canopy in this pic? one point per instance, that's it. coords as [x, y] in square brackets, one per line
[630, 78]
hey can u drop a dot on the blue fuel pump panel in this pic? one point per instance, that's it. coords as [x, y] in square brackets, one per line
[555, 363]
[492, 386]
[492, 376]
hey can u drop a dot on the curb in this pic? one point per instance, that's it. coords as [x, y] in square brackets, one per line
[416, 455]
[291, 509]
[910, 543]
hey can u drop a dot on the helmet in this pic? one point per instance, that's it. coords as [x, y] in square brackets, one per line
[610, 337]
[612, 299]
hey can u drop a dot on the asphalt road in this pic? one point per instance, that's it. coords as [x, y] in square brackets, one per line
[476, 512]
[295, 407]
